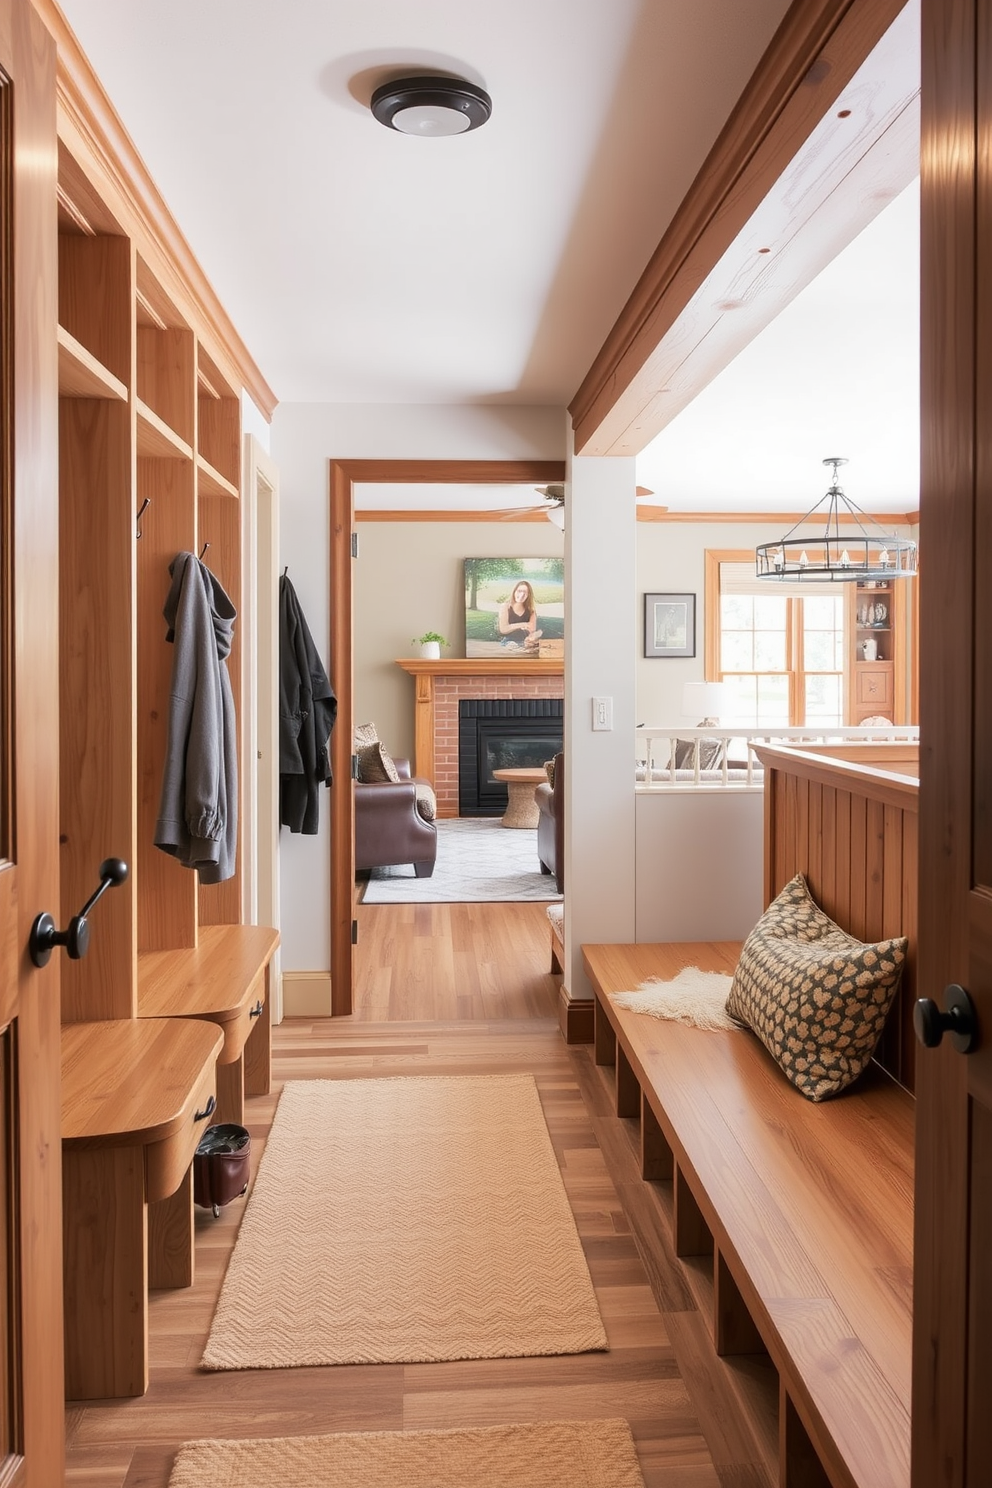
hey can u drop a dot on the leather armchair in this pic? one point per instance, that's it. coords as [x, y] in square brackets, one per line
[551, 825]
[388, 827]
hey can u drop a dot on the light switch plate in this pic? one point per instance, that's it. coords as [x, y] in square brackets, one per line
[602, 713]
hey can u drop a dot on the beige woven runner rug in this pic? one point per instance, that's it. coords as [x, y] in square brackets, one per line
[403, 1220]
[558, 1454]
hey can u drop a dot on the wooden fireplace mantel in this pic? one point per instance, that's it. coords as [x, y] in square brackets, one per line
[429, 676]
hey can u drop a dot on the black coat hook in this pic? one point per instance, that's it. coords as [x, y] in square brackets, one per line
[285, 571]
[144, 507]
[203, 550]
[76, 936]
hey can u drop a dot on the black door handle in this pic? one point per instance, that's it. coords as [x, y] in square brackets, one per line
[959, 1020]
[76, 937]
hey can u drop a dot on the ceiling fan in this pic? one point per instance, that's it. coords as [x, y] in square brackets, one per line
[553, 503]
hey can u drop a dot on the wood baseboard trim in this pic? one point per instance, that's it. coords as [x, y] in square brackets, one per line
[575, 1018]
[306, 994]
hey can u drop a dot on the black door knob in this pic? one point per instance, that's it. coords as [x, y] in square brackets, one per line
[959, 1020]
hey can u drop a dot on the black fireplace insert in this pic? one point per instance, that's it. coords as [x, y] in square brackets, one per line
[502, 734]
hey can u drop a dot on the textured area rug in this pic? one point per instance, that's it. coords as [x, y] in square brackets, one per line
[556, 1454]
[696, 997]
[478, 860]
[402, 1220]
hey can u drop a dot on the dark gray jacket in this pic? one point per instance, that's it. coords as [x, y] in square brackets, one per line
[198, 814]
[307, 709]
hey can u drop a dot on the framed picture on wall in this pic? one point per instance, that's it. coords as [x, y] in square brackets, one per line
[669, 625]
[514, 607]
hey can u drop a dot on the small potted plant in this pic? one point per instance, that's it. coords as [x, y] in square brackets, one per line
[430, 644]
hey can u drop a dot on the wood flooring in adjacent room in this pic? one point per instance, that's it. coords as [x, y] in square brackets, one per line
[460, 989]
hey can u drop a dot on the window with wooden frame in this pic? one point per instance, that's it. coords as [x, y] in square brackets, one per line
[781, 647]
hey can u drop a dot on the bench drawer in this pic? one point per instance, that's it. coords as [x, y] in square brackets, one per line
[166, 1161]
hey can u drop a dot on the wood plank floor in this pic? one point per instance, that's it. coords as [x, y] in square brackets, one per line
[461, 989]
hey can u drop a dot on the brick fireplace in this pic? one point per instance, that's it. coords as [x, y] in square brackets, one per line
[439, 686]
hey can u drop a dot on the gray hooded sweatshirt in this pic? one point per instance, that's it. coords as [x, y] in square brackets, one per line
[198, 813]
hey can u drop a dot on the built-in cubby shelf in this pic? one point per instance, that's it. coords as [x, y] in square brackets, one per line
[157, 440]
[82, 376]
[210, 482]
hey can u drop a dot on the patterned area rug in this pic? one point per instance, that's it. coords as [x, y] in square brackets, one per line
[555, 1454]
[404, 1220]
[478, 860]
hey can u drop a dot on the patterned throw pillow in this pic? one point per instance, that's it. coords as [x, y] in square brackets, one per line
[426, 800]
[375, 764]
[710, 754]
[816, 997]
[549, 770]
[365, 734]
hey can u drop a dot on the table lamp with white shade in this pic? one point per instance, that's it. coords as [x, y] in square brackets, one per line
[705, 701]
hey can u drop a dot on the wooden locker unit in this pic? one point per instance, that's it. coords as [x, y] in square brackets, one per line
[151, 374]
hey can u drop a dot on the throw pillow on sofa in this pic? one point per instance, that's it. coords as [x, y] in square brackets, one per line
[426, 800]
[710, 754]
[815, 996]
[375, 764]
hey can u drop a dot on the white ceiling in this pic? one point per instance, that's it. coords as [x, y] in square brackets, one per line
[364, 266]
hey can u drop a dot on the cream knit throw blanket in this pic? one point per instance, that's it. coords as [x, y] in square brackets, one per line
[696, 997]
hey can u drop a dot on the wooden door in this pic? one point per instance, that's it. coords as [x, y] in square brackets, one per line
[31, 1413]
[952, 1422]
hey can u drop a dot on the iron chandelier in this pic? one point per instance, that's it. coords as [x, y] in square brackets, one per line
[830, 555]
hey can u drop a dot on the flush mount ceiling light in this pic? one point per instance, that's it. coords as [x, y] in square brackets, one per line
[431, 106]
[829, 555]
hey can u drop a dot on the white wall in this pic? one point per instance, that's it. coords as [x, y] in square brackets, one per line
[699, 864]
[253, 421]
[304, 438]
[600, 540]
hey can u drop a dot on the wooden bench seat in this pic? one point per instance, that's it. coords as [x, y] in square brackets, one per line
[224, 980]
[806, 1209]
[136, 1096]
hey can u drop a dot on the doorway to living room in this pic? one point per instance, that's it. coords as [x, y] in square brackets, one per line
[345, 576]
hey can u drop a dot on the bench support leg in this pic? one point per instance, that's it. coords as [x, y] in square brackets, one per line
[231, 1092]
[605, 1039]
[628, 1090]
[170, 1238]
[733, 1328]
[657, 1161]
[105, 1270]
[692, 1233]
[799, 1466]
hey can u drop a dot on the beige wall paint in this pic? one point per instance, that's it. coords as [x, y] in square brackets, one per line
[409, 580]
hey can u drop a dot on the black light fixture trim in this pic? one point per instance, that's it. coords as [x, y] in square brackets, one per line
[833, 555]
[454, 94]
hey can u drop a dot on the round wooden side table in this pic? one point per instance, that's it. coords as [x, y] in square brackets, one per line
[521, 808]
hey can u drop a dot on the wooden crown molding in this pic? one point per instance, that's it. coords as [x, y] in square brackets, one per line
[436, 515]
[94, 135]
[813, 56]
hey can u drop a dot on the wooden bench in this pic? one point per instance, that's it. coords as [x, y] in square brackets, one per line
[136, 1096]
[225, 980]
[806, 1210]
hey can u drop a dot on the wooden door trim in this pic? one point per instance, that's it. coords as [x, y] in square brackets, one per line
[344, 474]
[950, 441]
[812, 57]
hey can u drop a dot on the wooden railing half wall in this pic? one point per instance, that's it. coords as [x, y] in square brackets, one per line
[850, 827]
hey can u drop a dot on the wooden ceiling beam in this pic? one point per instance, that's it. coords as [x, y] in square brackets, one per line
[785, 175]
